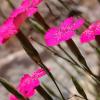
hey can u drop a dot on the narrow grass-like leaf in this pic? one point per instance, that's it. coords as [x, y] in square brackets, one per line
[79, 88]
[43, 93]
[96, 48]
[2, 14]
[11, 4]
[11, 89]
[98, 40]
[51, 92]
[75, 50]
[99, 1]
[41, 20]
[37, 26]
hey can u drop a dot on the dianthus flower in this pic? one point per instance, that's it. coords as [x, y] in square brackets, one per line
[12, 24]
[90, 33]
[63, 32]
[28, 84]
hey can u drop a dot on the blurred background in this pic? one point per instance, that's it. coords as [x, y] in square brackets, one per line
[14, 62]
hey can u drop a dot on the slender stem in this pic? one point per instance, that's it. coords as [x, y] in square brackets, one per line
[41, 20]
[33, 54]
[2, 14]
[98, 40]
[52, 51]
[76, 96]
[27, 99]
[69, 56]
[73, 47]
[42, 65]
[55, 53]
[64, 4]
[96, 48]
[43, 93]
[50, 10]
[94, 77]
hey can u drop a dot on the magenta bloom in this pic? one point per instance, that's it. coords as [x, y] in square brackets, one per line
[12, 97]
[18, 16]
[28, 84]
[90, 33]
[63, 32]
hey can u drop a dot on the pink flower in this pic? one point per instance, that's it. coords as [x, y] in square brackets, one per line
[90, 33]
[11, 26]
[28, 84]
[21, 14]
[63, 32]
[12, 97]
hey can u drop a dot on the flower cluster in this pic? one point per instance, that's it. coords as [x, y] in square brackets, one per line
[63, 32]
[28, 84]
[54, 35]
[18, 16]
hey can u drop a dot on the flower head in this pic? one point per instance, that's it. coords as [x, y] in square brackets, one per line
[63, 32]
[90, 33]
[11, 26]
[12, 97]
[28, 84]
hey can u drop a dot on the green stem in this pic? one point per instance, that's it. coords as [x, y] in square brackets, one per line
[43, 93]
[75, 50]
[40, 20]
[49, 74]
[96, 78]
[53, 52]
[33, 54]
[69, 56]
[11, 4]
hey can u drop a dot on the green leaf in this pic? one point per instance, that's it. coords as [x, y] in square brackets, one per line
[50, 91]
[79, 88]
[75, 50]
[11, 89]
[30, 50]
[11, 4]
[37, 26]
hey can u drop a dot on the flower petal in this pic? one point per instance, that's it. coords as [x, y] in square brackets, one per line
[67, 35]
[27, 3]
[31, 11]
[77, 24]
[12, 97]
[87, 36]
[52, 37]
[7, 30]
[66, 23]
[97, 28]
